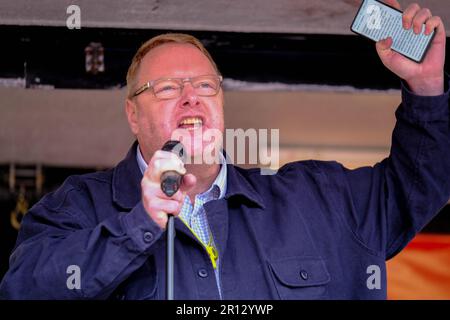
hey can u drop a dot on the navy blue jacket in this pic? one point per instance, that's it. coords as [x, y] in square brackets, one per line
[315, 230]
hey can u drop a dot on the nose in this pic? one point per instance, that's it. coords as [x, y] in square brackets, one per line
[188, 96]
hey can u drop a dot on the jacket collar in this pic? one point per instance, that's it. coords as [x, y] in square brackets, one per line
[238, 184]
[126, 183]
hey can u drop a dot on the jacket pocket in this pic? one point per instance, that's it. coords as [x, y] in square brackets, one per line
[299, 277]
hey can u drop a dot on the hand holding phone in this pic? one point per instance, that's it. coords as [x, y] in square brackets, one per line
[376, 21]
[410, 44]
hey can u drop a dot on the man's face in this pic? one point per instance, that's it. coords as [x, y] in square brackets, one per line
[153, 120]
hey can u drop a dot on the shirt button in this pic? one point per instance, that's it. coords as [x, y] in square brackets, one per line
[304, 275]
[202, 273]
[148, 237]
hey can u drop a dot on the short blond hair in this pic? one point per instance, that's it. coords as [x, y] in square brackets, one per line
[156, 42]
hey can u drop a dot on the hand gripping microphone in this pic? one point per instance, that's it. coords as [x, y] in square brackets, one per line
[170, 183]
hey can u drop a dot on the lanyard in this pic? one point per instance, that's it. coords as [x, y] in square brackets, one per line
[210, 249]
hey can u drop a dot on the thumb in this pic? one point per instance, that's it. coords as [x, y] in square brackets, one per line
[189, 181]
[384, 48]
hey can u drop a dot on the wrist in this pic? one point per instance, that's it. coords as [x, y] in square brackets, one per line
[427, 87]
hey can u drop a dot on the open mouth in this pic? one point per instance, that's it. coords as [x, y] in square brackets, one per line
[191, 123]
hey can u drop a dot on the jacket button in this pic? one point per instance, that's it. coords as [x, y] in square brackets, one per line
[148, 237]
[304, 275]
[202, 273]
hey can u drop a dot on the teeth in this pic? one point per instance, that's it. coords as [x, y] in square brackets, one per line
[192, 121]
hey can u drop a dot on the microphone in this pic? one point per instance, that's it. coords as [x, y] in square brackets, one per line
[171, 180]
[170, 183]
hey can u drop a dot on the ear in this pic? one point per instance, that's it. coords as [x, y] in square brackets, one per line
[132, 116]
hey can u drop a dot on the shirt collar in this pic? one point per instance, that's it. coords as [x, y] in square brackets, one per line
[220, 181]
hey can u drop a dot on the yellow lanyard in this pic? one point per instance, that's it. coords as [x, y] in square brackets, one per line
[210, 249]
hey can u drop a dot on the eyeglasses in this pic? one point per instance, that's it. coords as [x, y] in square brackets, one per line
[171, 88]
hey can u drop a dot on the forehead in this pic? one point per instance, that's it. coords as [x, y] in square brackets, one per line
[174, 60]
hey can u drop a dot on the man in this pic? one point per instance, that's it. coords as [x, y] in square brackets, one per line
[312, 231]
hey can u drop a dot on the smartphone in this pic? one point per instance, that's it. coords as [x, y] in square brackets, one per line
[376, 20]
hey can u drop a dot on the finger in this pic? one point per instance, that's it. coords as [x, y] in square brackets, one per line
[161, 219]
[384, 50]
[384, 46]
[393, 3]
[159, 216]
[420, 18]
[165, 205]
[165, 156]
[434, 23]
[159, 166]
[409, 14]
[160, 154]
[189, 181]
